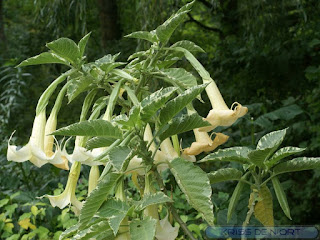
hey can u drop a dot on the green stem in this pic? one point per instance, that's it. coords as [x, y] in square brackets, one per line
[176, 144]
[249, 214]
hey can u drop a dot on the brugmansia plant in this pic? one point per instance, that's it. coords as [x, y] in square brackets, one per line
[128, 128]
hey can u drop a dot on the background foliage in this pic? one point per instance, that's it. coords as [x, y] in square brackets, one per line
[262, 53]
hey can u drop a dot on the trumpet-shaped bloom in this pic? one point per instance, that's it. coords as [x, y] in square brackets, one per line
[167, 153]
[93, 178]
[68, 196]
[221, 115]
[34, 151]
[135, 166]
[165, 231]
[204, 143]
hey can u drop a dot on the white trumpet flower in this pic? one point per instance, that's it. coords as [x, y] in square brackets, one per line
[204, 143]
[68, 196]
[165, 231]
[221, 115]
[167, 153]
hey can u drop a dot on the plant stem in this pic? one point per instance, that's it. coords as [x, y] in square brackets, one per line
[249, 213]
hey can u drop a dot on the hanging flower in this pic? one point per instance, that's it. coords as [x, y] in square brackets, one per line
[204, 143]
[69, 194]
[93, 178]
[221, 115]
[167, 153]
[165, 231]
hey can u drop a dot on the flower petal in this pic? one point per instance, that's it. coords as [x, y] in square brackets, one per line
[165, 231]
[21, 155]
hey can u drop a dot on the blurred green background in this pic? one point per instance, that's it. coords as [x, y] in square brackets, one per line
[264, 54]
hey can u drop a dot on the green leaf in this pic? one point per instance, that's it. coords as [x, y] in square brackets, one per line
[43, 58]
[224, 174]
[97, 197]
[108, 67]
[182, 124]
[297, 164]
[69, 232]
[195, 184]
[282, 153]
[175, 105]
[123, 74]
[180, 76]
[263, 209]
[96, 127]
[233, 154]
[281, 196]
[129, 122]
[65, 48]
[98, 142]
[235, 197]
[151, 199]
[258, 157]
[188, 45]
[3, 202]
[93, 230]
[272, 140]
[143, 35]
[83, 43]
[143, 229]
[115, 211]
[151, 104]
[119, 157]
[77, 86]
[165, 30]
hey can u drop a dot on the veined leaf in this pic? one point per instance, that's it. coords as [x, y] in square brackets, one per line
[224, 174]
[98, 142]
[190, 46]
[90, 128]
[143, 35]
[282, 153]
[115, 211]
[186, 7]
[195, 184]
[108, 67]
[151, 199]
[43, 58]
[77, 86]
[143, 229]
[258, 157]
[123, 74]
[129, 122]
[65, 48]
[152, 103]
[97, 197]
[69, 232]
[263, 210]
[180, 76]
[272, 140]
[83, 43]
[182, 124]
[118, 157]
[297, 164]
[165, 30]
[93, 230]
[233, 154]
[137, 55]
[281, 196]
[235, 197]
[174, 106]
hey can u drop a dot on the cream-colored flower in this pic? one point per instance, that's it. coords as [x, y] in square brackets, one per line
[165, 231]
[204, 143]
[221, 115]
[167, 153]
[69, 194]
[136, 166]
[93, 178]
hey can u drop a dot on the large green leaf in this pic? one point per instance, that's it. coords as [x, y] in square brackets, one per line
[152, 103]
[258, 157]
[190, 46]
[96, 127]
[297, 164]
[77, 86]
[281, 196]
[143, 229]
[272, 140]
[180, 76]
[69, 232]
[151, 199]
[235, 197]
[98, 142]
[123, 74]
[97, 197]
[119, 157]
[282, 153]
[195, 184]
[182, 124]
[65, 48]
[233, 154]
[224, 174]
[43, 58]
[263, 209]
[175, 105]
[93, 230]
[115, 211]
[83, 43]
[143, 35]
[129, 122]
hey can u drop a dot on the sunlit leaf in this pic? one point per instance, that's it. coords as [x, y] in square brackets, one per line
[224, 174]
